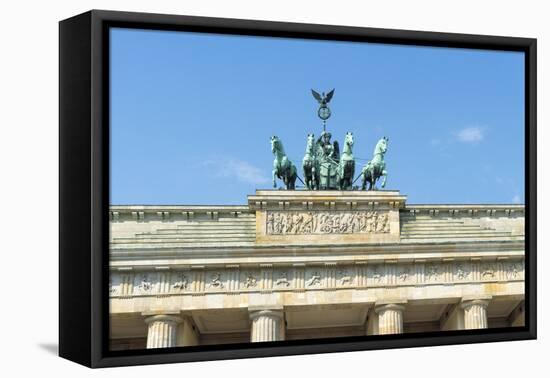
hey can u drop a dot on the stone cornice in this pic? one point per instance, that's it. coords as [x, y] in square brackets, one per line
[467, 210]
[465, 206]
[325, 199]
[178, 208]
[138, 212]
[165, 212]
[401, 252]
[285, 249]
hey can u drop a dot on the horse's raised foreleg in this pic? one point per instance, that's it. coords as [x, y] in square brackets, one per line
[275, 178]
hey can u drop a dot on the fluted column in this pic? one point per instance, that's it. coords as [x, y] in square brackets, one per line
[390, 318]
[267, 325]
[475, 313]
[162, 331]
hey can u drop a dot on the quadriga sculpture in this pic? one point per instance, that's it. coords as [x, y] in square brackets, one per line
[346, 167]
[376, 168]
[310, 165]
[327, 155]
[282, 166]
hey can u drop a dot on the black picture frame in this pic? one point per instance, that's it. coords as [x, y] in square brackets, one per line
[84, 186]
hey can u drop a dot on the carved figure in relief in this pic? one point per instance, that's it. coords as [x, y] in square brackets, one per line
[382, 223]
[297, 223]
[270, 221]
[404, 274]
[251, 281]
[512, 271]
[216, 281]
[369, 225]
[345, 278]
[145, 284]
[488, 272]
[182, 283]
[461, 272]
[308, 224]
[315, 279]
[282, 280]
[322, 222]
[376, 275]
[432, 272]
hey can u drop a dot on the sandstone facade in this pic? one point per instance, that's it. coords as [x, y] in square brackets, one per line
[303, 264]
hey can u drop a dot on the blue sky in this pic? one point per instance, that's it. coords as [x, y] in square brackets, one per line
[192, 114]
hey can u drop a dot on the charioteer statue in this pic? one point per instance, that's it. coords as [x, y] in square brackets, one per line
[328, 156]
[323, 166]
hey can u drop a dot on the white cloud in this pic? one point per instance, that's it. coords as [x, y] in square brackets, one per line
[470, 135]
[239, 169]
[516, 199]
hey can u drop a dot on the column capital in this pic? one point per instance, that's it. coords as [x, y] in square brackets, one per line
[396, 305]
[163, 318]
[255, 312]
[482, 300]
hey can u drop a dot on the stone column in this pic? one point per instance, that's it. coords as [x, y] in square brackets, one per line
[475, 312]
[162, 331]
[267, 325]
[452, 319]
[390, 317]
[517, 317]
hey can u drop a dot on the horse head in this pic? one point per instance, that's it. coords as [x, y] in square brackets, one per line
[349, 139]
[277, 145]
[274, 143]
[381, 146]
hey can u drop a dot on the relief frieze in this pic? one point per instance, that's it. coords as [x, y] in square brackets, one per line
[314, 278]
[181, 283]
[324, 222]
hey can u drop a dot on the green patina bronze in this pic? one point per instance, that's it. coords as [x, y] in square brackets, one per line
[376, 168]
[324, 111]
[346, 167]
[282, 166]
[323, 166]
[327, 158]
[310, 165]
